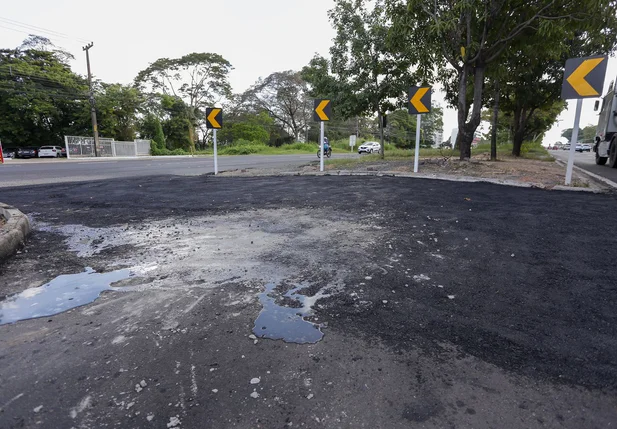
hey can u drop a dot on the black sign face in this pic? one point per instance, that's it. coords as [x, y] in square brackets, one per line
[419, 100]
[214, 118]
[322, 111]
[584, 77]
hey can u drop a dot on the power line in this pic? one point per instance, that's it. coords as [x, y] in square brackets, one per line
[41, 29]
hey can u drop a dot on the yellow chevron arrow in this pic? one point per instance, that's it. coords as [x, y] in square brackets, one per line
[212, 118]
[319, 110]
[416, 100]
[577, 78]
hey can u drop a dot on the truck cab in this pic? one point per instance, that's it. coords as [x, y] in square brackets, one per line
[606, 133]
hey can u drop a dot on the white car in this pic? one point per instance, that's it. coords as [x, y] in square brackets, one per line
[369, 147]
[51, 151]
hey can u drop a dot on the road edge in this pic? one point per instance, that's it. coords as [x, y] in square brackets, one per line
[14, 232]
[468, 179]
[595, 176]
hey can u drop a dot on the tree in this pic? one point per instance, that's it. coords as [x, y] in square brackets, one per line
[464, 38]
[117, 107]
[151, 128]
[41, 99]
[284, 95]
[365, 76]
[199, 80]
[587, 134]
[177, 124]
[250, 127]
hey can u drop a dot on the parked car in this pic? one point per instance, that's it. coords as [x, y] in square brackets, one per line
[566, 146]
[369, 147]
[9, 152]
[27, 152]
[50, 151]
[579, 147]
[585, 147]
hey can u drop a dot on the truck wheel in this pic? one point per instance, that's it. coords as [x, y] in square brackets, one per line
[600, 160]
[612, 156]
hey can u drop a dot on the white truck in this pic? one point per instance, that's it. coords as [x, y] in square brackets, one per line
[606, 133]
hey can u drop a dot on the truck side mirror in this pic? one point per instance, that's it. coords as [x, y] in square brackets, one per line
[596, 105]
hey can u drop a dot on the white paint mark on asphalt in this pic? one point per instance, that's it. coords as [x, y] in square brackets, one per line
[119, 339]
[149, 417]
[254, 395]
[421, 278]
[255, 380]
[37, 409]
[11, 401]
[83, 404]
[451, 296]
[194, 304]
[174, 422]
[193, 382]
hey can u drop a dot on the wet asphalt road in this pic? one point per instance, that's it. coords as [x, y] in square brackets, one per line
[479, 306]
[38, 171]
[587, 161]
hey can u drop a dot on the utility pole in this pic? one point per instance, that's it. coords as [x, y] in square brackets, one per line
[95, 127]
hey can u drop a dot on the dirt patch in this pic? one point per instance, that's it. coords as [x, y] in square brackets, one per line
[543, 174]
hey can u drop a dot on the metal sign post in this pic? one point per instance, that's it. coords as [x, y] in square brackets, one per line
[214, 122]
[321, 137]
[419, 104]
[322, 111]
[416, 160]
[216, 162]
[583, 78]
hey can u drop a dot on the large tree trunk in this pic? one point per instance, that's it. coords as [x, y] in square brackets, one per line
[494, 126]
[466, 129]
[519, 131]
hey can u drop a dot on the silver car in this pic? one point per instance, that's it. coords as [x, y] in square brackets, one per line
[369, 147]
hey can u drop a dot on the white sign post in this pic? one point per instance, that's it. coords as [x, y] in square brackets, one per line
[216, 162]
[321, 137]
[416, 160]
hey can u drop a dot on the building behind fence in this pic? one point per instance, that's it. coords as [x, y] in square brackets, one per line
[80, 147]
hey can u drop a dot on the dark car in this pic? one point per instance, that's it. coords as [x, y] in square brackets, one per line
[27, 152]
[9, 152]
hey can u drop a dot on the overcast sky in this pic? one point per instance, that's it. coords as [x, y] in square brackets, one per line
[257, 37]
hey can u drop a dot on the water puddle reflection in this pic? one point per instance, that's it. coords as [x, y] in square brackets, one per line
[61, 294]
[287, 323]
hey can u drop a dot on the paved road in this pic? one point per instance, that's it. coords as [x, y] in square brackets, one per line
[443, 305]
[36, 171]
[587, 161]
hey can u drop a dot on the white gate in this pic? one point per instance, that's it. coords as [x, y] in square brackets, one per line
[83, 147]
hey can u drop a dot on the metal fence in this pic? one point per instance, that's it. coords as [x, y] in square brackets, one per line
[83, 147]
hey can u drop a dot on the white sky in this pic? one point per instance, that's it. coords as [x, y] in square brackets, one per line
[257, 37]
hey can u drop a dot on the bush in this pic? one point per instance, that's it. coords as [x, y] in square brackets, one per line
[165, 152]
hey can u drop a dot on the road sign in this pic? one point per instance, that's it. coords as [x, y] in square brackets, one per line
[584, 77]
[352, 140]
[322, 111]
[214, 118]
[419, 100]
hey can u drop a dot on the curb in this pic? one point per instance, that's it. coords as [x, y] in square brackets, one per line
[468, 179]
[12, 234]
[595, 176]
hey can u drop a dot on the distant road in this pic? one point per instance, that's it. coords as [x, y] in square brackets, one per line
[587, 161]
[41, 171]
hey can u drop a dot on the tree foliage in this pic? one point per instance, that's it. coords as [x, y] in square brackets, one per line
[41, 99]
[364, 76]
[465, 39]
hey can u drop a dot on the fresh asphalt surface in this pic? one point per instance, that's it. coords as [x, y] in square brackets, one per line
[35, 171]
[587, 161]
[516, 327]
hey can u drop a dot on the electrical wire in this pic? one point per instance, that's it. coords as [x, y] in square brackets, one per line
[52, 33]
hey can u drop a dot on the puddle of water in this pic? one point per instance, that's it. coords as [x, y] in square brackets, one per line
[61, 294]
[285, 323]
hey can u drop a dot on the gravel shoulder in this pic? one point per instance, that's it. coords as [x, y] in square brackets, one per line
[443, 304]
